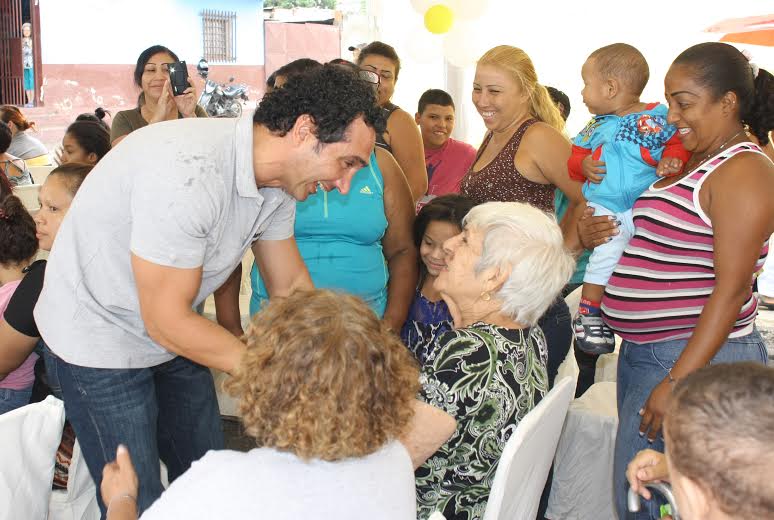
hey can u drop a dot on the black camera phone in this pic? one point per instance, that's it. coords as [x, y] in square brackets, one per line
[178, 77]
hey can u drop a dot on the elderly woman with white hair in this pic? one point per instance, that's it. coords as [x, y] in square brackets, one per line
[503, 271]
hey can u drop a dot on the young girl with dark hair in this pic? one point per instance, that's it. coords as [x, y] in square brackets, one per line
[85, 142]
[428, 316]
[18, 246]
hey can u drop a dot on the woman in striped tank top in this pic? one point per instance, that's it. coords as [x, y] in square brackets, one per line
[681, 296]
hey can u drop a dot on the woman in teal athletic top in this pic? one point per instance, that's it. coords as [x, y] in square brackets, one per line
[359, 243]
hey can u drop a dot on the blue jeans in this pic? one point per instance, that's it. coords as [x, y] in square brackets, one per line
[557, 328]
[168, 412]
[13, 399]
[640, 368]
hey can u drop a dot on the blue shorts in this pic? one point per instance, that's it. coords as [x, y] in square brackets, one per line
[29, 79]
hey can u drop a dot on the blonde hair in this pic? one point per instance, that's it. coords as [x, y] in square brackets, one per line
[322, 377]
[518, 64]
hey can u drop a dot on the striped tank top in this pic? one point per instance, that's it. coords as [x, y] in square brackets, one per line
[666, 273]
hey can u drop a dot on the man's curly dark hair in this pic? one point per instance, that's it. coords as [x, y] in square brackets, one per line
[331, 95]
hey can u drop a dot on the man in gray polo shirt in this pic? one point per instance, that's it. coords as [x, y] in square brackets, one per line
[161, 223]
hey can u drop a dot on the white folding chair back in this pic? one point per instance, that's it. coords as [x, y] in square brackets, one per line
[29, 196]
[29, 438]
[526, 459]
[39, 173]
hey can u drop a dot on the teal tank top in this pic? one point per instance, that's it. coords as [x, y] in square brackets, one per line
[340, 239]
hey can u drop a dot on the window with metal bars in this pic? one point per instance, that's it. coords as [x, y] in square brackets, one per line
[219, 35]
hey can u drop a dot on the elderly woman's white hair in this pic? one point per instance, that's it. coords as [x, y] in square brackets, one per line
[528, 242]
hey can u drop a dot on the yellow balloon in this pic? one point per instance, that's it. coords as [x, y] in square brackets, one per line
[439, 19]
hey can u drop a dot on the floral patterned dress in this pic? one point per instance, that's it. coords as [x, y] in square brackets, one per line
[488, 378]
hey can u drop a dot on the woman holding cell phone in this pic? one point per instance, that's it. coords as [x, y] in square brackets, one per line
[156, 102]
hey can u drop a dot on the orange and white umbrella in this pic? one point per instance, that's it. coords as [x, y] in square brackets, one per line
[752, 30]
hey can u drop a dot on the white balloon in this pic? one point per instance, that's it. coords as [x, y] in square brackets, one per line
[459, 48]
[468, 9]
[421, 6]
[423, 46]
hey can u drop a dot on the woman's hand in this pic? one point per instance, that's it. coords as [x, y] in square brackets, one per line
[186, 102]
[646, 467]
[594, 231]
[166, 109]
[593, 170]
[655, 408]
[119, 480]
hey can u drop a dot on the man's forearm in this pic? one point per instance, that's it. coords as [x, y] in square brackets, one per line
[199, 340]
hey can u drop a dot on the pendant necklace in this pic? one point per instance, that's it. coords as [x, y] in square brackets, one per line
[716, 150]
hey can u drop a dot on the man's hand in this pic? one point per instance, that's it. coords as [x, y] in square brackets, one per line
[119, 482]
[669, 166]
[646, 467]
[593, 170]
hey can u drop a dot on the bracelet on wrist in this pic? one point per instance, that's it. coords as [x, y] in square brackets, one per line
[124, 496]
[672, 379]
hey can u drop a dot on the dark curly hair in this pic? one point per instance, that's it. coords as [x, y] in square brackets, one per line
[332, 96]
[723, 68]
[17, 232]
[92, 136]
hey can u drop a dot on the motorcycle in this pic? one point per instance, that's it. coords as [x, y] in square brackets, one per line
[220, 100]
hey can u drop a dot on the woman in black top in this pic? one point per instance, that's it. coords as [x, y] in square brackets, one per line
[18, 331]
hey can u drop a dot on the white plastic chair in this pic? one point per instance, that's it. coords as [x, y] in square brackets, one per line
[584, 458]
[39, 173]
[29, 196]
[526, 459]
[29, 438]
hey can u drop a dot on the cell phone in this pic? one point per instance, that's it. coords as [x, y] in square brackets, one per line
[178, 77]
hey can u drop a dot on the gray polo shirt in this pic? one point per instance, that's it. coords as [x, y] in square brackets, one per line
[181, 194]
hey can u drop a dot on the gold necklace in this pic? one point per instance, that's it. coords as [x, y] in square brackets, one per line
[715, 151]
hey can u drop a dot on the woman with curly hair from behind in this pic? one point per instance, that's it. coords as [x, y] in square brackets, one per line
[325, 390]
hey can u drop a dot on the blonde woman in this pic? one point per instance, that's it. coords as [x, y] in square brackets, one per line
[523, 159]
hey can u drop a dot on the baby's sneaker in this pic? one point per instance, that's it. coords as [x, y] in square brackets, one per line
[592, 335]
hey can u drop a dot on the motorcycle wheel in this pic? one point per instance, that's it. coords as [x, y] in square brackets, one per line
[235, 109]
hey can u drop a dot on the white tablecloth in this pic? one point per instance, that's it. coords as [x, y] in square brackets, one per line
[583, 468]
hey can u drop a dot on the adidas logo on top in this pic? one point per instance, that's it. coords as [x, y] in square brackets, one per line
[366, 190]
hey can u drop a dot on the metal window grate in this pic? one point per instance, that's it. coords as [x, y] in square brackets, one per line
[219, 35]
